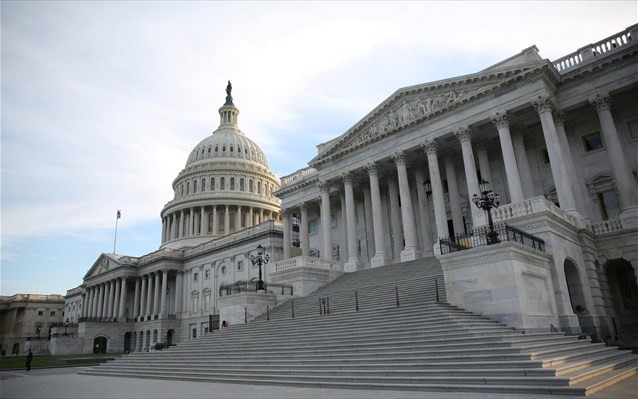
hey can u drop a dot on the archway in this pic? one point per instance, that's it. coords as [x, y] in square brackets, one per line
[127, 342]
[154, 336]
[574, 287]
[16, 349]
[624, 295]
[148, 340]
[141, 345]
[169, 337]
[100, 344]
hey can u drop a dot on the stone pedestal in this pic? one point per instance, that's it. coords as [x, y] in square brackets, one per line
[506, 282]
[237, 308]
[305, 274]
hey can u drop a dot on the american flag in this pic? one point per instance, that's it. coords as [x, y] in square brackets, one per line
[119, 214]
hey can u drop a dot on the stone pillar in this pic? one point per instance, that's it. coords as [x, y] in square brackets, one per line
[543, 105]
[163, 230]
[149, 294]
[411, 250]
[303, 230]
[182, 224]
[367, 216]
[380, 257]
[326, 221]
[203, 222]
[156, 297]
[424, 213]
[136, 299]
[163, 313]
[502, 122]
[518, 140]
[227, 220]
[116, 298]
[395, 220]
[621, 169]
[108, 309]
[354, 262]
[453, 194]
[86, 306]
[238, 218]
[251, 218]
[464, 133]
[440, 214]
[143, 297]
[287, 233]
[122, 313]
[174, 226]
[191, 223]
[96, 299]
[484, 160]
[179, 281]
[215, 228]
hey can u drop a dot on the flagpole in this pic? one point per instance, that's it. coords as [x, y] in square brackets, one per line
[117, 217]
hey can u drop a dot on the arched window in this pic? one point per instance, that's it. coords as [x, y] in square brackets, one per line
[258, 187]
[182, 188]
[250, 186]
[212, 183]
[203, 184]
[188, 187]
[241, 185]
[232, 183]
[222, 183]
[216, 148]
[194, 186]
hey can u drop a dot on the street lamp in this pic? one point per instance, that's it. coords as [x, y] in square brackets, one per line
[487, 201]
[428, 188]
[66, 325]
[260, 260]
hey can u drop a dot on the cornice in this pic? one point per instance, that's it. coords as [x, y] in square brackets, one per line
[594, 71]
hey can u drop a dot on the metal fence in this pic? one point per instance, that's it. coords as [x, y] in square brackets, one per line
[485, 236]
[232, 289]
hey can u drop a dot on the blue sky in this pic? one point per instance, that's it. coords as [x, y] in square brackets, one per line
[102, 102]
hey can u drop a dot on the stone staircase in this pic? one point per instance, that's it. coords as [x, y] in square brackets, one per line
[419, 345]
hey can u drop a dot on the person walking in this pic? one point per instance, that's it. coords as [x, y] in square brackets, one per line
[29, 359]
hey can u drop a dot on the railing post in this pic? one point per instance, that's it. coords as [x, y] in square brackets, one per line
[328, 303]
[356, 300]
[320, 300]
[396, 292]
[436, 288]
[245, 315]
[292, 307]
[267, 312]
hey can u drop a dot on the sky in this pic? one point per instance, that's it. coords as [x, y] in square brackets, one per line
[102, 102]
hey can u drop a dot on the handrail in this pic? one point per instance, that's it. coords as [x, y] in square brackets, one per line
[481, 237]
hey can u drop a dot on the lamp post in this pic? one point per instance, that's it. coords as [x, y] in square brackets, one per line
[260, 260]
[428, 188]
[66, 325]
[487, 201]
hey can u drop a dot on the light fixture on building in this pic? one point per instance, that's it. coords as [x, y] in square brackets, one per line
[428, 188]
[260, 260]
[487, 201]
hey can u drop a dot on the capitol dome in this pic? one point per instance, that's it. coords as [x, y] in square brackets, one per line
[225, 186]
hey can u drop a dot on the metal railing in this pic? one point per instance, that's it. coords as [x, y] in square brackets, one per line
[482, 236]
[232, 289]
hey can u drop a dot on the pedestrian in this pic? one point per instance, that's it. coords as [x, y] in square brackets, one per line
[224, 324]
[29, 359]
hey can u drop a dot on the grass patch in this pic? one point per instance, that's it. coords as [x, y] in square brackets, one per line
[19, 362]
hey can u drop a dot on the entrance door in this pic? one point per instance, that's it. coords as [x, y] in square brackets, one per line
[99, 345]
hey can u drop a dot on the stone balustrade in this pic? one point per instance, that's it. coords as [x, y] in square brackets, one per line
[298, 175]
[529, 207]
[302, 261]
[607, 227]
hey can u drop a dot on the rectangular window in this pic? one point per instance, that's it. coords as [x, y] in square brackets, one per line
[52, 313]
[207, 274]
[40, 312]
[592, 142]
[195, 276]
[313, 227]
[333, 221]
[608, 203]
[240, 265]
[633, 128]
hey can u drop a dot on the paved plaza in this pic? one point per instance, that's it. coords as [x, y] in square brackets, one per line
[65, 383]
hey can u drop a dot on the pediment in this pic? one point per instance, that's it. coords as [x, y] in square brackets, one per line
[414, 105]
[103, 264]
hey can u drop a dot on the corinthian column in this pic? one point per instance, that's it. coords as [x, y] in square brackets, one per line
[163, 293]
[463, 133]
[544, 105]
[326, 222]
[303, 230]
[380, 258]
[411, 250]
[502, 122]
[438, 200]
[353, 263]
[285, 217]
[625, 182]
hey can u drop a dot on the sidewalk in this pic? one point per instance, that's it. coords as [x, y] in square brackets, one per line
[66, 383]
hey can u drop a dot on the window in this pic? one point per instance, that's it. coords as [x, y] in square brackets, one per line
[232, 183]
[195, 302]
[194, 186]
[294, 219]
[207, 274]
[544, 156]
[206, 300]
[609, 206]
[241, 185]
[203, 184]
[182, 189]
[250, 186]
[223, 269]
[333, 221]
[240, 265]
[633, 128]
[40, 312]
[188, 188]
[195, 276]
[592, 142]
[52, 313]
[313, 227]
[212, 183]
[258, 187]
[222, 183]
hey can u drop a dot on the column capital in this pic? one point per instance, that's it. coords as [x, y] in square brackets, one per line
[346, 177]
[324, 186]
[543, 104]
[559, 117]
[429, 146]
[600, 101]
[372, 168]
[399, 157]
[463, 133]
[286, 213]
[500, 119]
[303, 206]
[482, 143]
